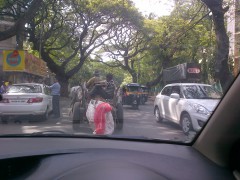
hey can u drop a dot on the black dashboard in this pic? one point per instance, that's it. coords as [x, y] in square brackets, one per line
[88, 159]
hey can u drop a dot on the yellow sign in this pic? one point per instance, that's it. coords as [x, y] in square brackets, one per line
[13, 60]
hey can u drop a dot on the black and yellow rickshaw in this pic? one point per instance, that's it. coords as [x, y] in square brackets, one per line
[131, 95]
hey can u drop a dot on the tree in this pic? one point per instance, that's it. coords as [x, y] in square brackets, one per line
[124, 48]
[182, 37]
[66, 33]
[222, 71]
[21, 12]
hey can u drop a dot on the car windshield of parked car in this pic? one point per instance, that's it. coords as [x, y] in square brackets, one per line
[130, 69]
[24, 89]
[200, 92]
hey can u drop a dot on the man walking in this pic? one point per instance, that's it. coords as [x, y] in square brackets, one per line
[55, 92]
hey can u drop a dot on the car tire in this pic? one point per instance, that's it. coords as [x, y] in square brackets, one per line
[135, 106]
[119, 114]
[4, 119]
[157, 114]
[143, 101]
[186, 123]
[45, 116]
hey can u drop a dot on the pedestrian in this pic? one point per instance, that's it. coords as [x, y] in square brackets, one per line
[3, 88]
[55, 92]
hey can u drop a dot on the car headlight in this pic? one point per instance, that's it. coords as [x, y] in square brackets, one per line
[200, 109]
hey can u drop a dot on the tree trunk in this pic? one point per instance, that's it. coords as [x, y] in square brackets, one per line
[64, 86]
[134, 78]
[222, 71]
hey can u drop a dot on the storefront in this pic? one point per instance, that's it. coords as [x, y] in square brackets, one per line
[20, 66]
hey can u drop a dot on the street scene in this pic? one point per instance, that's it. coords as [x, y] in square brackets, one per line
[139, 123]
[100, 71]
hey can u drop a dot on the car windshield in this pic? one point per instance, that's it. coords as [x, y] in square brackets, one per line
[114, 68]
[24, 89]
[200, 92]
[133, 88]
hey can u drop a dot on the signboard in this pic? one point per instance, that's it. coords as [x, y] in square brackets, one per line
[13, 60]
[35, 65]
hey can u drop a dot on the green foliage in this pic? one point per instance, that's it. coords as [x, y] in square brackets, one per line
[179, 38]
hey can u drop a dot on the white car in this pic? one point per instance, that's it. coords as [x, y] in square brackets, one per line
[187, 104]
[26, 99]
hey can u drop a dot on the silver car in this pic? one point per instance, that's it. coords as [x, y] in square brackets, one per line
[26, 99]
[187, 104]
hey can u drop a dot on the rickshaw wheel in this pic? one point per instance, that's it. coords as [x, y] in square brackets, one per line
[119, 114]
[76, 113]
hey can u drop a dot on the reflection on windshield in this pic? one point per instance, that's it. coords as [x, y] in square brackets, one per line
[200, 92]
[24, 89]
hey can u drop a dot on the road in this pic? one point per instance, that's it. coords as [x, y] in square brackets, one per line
[137, 123]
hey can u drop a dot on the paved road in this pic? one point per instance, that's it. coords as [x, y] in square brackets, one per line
[137, 123]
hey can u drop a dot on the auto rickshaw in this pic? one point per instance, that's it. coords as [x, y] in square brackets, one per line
[131, 95]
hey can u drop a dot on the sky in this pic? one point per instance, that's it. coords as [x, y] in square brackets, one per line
[158, 7]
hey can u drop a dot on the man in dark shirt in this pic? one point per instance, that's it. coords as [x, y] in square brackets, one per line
[105, 89]
[110, 86]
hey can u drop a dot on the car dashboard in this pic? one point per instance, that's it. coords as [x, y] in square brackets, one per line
[91, 158]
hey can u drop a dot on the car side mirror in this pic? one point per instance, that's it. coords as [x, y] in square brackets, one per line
[175, 96]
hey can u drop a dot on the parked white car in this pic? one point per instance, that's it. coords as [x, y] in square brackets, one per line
[187, 104]
[26, 99]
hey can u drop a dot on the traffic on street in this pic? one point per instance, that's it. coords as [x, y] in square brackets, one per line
[139, 123]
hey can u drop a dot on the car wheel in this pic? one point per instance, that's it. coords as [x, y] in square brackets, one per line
[44, 117]
[143, 101]
[135, 106]
[157, 115]
[4, 119]
[186, 123]
[119, 114]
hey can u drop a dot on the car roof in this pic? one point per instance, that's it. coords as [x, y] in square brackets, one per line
[133, 84]
[185, 84]
[31, 84]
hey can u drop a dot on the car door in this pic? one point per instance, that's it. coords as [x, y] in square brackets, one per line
[174, 104]
[47, 93]
[164, 103]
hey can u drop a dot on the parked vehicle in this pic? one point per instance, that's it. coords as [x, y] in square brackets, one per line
[182, 73]
[187, 104]
[26, 99]
[131, 95]
[80, 103]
